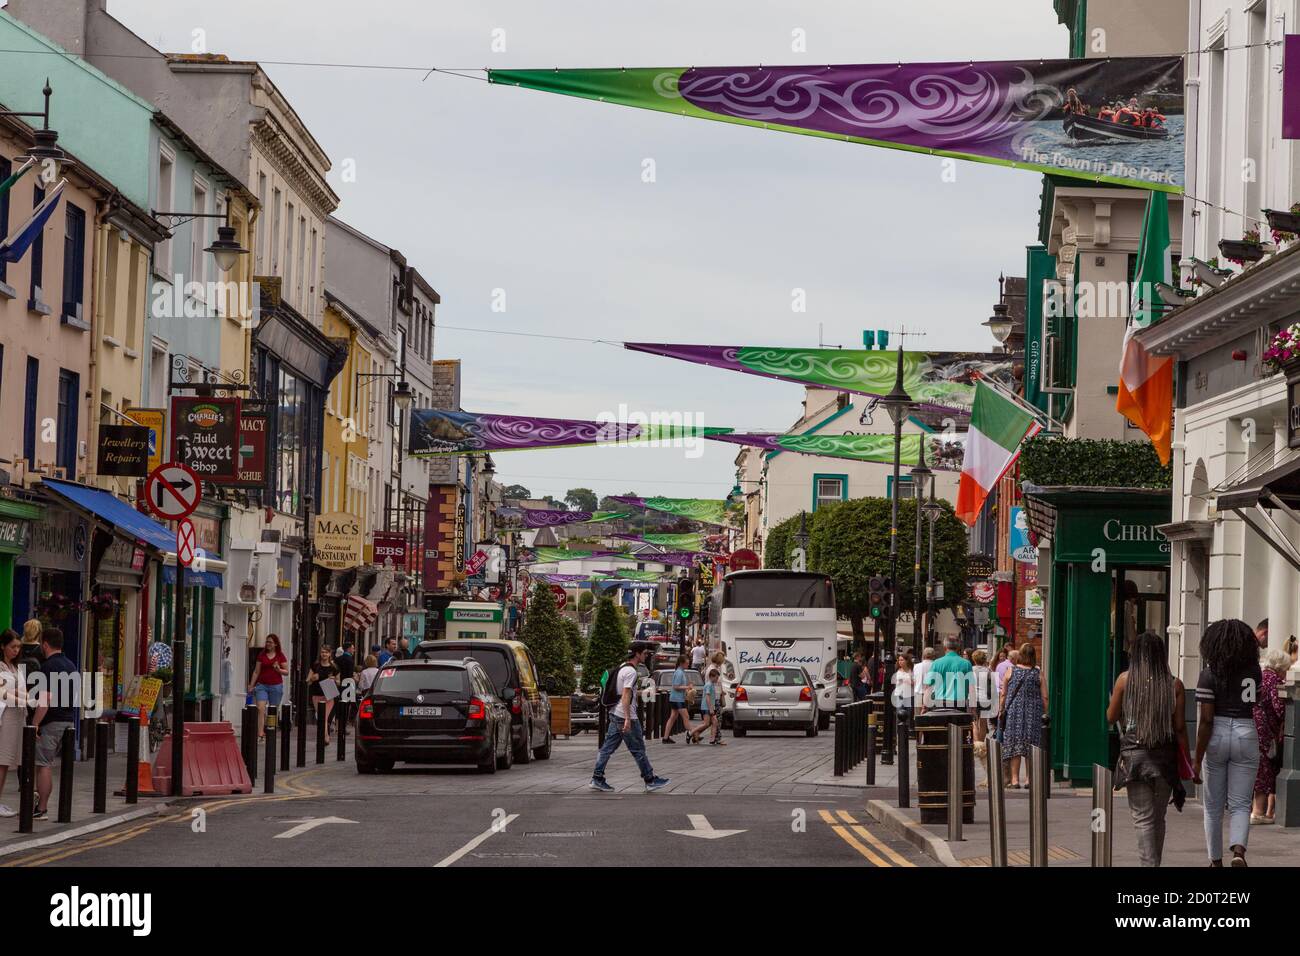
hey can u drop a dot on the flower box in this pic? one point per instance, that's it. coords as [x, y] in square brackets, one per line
[1241, 251]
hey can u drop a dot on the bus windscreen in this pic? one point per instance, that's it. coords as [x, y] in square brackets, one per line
[779, 592]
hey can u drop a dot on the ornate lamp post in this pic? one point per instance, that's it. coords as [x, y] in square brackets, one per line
[922, 477]
[898, 405]
[933, 512]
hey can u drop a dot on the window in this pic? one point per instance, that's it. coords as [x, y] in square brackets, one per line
[301, 269]
[38, 255]
[6, 169]
[261, 223]
[828, 489]
[288, 250]
[29, 410]
[158, 369]
[198, 236]
[275, 232]
[66, 434]
[74, 264]
[289, 424]
[166, 183]
[906, 490]
[310, 308]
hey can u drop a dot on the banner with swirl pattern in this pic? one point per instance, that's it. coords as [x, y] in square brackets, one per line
[707, 510]
[516, 518]
[677, 541]
[942, 452]
[1117, 120]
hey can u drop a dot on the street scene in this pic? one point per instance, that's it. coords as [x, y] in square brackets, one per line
[826, 436]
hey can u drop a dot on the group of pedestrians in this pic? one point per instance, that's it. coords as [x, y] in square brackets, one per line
[682, 695]
[47, 706]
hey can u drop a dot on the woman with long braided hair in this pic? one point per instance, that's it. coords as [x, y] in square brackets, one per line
[1226, 741]
[1147, 702]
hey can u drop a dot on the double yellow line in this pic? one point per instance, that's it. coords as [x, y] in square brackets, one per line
[846, 827]
[180, 815]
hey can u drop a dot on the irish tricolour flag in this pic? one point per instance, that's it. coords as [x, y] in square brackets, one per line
[1146, 382]
[998, 425]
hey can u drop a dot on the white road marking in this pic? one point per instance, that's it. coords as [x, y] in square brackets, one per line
[702, 828]
[497, 827]
[309, 824]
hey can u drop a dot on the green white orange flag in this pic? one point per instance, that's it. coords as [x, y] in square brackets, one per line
[1146, 381]
[998, 425]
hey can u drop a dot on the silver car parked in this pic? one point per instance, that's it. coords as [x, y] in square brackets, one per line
[774, 698]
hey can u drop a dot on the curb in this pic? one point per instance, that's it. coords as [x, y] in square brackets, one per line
[934, 847]
[75, 832]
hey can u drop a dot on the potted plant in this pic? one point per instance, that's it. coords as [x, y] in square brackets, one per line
[1283, 352]
[1245, 250]
[103, 605]
[1285, 225]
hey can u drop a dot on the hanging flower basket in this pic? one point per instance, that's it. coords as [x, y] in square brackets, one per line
[1245, 250]
[1283, 352]
[103, 605]
[1285, 225]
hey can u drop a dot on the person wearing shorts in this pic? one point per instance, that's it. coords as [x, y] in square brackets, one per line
[678, 705]
[267, 683]
[54, 715]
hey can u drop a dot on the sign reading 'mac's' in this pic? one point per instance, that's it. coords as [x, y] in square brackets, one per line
[205, 436]
[338, 541]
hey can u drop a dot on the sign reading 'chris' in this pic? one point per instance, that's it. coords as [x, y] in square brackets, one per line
[205, 436]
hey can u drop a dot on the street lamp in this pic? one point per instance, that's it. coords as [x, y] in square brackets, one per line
[921, 478]
[933, 512]
[1000, 323]
[898, 405]
[45, 148]
[225, 249]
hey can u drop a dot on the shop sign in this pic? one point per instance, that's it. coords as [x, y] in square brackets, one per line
[983, 591]
[253, 432]
[1033, 610]
[140, 696]
[389, 544]
[58, 541]
[123, 451]
[13, 534]
[485, 614]
[1122, 536]
[1027, 575]
[209, 534]
[205, 436]
[1018, 538]
[338, 541]
[154, 419]
[460, 537]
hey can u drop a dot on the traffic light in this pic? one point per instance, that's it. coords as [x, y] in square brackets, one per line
[876, 596]
[685, 599]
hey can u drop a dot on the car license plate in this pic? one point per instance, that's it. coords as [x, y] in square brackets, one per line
[421, 711]
[774, 713]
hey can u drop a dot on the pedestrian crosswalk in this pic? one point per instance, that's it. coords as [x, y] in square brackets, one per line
[856, 835]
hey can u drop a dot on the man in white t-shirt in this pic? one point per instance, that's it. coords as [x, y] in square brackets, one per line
[623, 725]
[923, 691]
[698, 653]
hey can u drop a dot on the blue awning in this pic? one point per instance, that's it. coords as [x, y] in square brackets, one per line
[114, 511]
[194, 579]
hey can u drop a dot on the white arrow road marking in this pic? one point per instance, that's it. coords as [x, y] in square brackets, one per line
[702, 828]
[498, 827]
[310, 823]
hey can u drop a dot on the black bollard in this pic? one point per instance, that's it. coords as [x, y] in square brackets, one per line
[841, 724]
[302, 734]
[101, 767]
[904, 766]
[250, 756]
[871, 749]
[132, 760]
[341, 708]
[320, 732]
[268, 782]
[245, 732]
[286, 723]
[27, 781]
[68, 757]
[887, 733]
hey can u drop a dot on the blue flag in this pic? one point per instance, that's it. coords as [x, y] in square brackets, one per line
[15, 246]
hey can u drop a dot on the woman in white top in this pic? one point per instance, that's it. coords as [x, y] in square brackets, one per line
[903, 688]
[367, 675]
[985, 693]
[13, 709]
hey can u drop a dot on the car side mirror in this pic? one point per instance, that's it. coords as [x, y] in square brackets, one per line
[508, 694]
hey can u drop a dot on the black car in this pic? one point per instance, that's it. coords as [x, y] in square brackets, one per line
[664, 682]
[510, 667]
[433, 712]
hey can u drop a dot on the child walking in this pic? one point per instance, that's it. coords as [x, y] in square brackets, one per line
[711, 708]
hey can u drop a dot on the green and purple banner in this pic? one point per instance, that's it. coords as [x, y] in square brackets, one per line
[941, 451]
[1117, 120]
[678, 541]
[436, 431]
[513, 519]
[707, 510]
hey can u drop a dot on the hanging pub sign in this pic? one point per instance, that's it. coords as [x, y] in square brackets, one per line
[390, 544]
[251, 453]
[123, 451]
[337, 541]
[205, 436]
[155, 420]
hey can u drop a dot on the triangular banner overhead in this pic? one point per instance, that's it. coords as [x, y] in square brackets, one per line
[941, 451]
[707, 510]
[1146, 381]
[1113, 120]
[436, 431]
[20, 240]
[938, 381]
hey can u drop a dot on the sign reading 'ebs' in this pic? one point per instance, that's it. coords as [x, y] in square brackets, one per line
[205, 437]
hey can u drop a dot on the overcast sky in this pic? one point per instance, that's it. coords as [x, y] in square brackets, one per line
[486, 187]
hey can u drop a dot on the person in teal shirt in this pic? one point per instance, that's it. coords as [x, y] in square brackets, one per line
[950, 677]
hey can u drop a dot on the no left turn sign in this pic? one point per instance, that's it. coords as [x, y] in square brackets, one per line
[172, 491]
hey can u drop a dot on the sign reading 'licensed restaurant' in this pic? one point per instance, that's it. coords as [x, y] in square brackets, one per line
[338, 541]
[205, 436]
[123, 451]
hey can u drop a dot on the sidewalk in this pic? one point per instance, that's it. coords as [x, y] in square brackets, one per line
[1069, 834]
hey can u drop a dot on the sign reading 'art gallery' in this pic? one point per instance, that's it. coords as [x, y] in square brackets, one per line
[205, 437]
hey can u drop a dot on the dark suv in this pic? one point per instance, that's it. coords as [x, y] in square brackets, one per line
[433, 712]
[510, 668]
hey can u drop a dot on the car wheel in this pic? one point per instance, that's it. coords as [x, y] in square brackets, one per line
[489, 765]
[524, 754]
[737, 731]
[544, 751]
[507, 759]
[811, 731]
[823, 721]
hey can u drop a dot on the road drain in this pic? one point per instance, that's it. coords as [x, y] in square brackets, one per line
[559, 833]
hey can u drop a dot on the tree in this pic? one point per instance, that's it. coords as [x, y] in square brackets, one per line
[544, 633]
[515, 491]
[573, 634]
[849, 541]
[779, 544]
[554, 504]
[581, 499]
[607, 503]
[607, 646]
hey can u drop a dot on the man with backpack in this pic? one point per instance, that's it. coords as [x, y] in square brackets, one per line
[623, 726]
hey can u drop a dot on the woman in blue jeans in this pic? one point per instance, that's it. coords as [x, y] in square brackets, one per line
[1227, 747]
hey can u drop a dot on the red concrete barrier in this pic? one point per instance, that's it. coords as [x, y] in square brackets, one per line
[213, 763]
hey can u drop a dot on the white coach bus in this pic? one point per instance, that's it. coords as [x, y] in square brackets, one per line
[777, 617]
